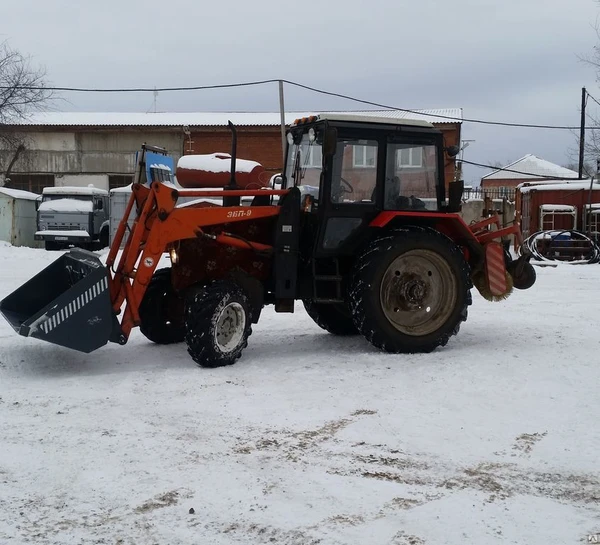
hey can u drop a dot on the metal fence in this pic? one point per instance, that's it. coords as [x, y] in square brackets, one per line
[498, 193]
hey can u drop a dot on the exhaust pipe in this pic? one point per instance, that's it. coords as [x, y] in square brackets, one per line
[232, 201]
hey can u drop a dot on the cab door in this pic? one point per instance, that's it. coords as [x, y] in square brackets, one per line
[350, 198]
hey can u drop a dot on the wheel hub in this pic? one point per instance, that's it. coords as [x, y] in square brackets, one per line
[230, 327]
[410, 291]
[418, 292]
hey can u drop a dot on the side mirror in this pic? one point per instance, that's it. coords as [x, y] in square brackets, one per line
[329, 142]
[452, 151]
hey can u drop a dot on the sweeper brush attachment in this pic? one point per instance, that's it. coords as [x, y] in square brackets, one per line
[67, 303]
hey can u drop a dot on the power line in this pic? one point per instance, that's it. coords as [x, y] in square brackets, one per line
[496, 169]
[590, 96]
[143, 89]
[301, 86]
[464, 119]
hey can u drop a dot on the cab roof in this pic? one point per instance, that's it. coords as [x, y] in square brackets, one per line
[358, 118]
[74, 190]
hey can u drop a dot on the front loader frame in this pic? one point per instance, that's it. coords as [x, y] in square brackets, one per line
[158, 224]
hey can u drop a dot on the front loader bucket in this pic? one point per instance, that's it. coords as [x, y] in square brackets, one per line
[68, 303]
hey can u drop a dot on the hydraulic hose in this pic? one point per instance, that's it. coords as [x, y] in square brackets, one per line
[531, 244]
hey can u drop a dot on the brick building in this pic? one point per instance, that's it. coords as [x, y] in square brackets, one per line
[504, 181]
[82, 148]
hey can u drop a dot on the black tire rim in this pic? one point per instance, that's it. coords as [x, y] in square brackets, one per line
[418, 292]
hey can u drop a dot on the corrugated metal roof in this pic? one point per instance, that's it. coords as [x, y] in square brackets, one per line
[534, 166]
[212, 119]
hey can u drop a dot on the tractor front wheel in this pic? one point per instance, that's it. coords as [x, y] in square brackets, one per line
[410, 291]
[161, 310]
[217, 323]
[332, 317]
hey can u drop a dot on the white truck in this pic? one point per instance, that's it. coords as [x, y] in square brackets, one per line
[73, 216]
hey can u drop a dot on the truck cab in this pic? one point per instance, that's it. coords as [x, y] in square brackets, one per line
[73, 216]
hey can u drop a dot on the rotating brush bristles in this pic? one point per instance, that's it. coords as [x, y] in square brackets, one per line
[480, 282]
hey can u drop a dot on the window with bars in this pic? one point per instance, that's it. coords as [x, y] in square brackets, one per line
[34, 183]
[119, 180]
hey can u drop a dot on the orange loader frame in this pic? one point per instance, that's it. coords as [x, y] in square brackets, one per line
[146, 244]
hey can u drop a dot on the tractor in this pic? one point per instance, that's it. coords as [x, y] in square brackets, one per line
[358, 227]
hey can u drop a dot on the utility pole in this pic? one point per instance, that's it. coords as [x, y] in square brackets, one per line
[582, 132]
[282, 115]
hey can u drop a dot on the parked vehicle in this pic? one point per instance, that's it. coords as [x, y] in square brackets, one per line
[73, 216]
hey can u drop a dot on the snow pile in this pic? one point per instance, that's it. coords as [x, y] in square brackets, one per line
[215, 162]
[66, 205]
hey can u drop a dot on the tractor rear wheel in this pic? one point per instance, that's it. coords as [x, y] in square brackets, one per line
[161, 310]
[410, 291]
[217, 323]
[332, 317]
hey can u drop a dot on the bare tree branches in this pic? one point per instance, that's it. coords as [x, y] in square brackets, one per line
[22, 87]
[23, 90]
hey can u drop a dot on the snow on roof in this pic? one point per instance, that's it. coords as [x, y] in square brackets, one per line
[216, 119]
[557, 208]
[215, 162]
[553, 186]
[19, 194]
[536, 167]
[66, 205]
[375, 119]
[125, 189]
[74, 190]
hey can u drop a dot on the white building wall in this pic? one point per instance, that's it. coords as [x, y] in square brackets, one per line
[25, 224]
[18, 221]
[6, 217]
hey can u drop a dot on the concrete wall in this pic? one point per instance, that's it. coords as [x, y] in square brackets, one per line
[82, 180]
[89, 151]
[472, 211]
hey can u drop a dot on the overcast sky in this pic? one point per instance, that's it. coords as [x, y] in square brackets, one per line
[510, 60]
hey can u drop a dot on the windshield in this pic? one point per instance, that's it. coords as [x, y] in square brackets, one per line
[304, 163]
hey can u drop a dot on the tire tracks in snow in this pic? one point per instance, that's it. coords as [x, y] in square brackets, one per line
[426, 477]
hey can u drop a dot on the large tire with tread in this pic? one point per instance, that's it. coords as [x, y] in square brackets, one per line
[410, 291]
[332, 317]
[217, 323]
[161, 310]
[104, 239]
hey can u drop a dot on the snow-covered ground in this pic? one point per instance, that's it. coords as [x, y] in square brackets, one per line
[311, 438]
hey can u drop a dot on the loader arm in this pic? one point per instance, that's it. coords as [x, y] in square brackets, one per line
[158, 224]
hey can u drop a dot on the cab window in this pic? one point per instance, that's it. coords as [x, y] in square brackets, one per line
[355, 171]
[411, 176]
